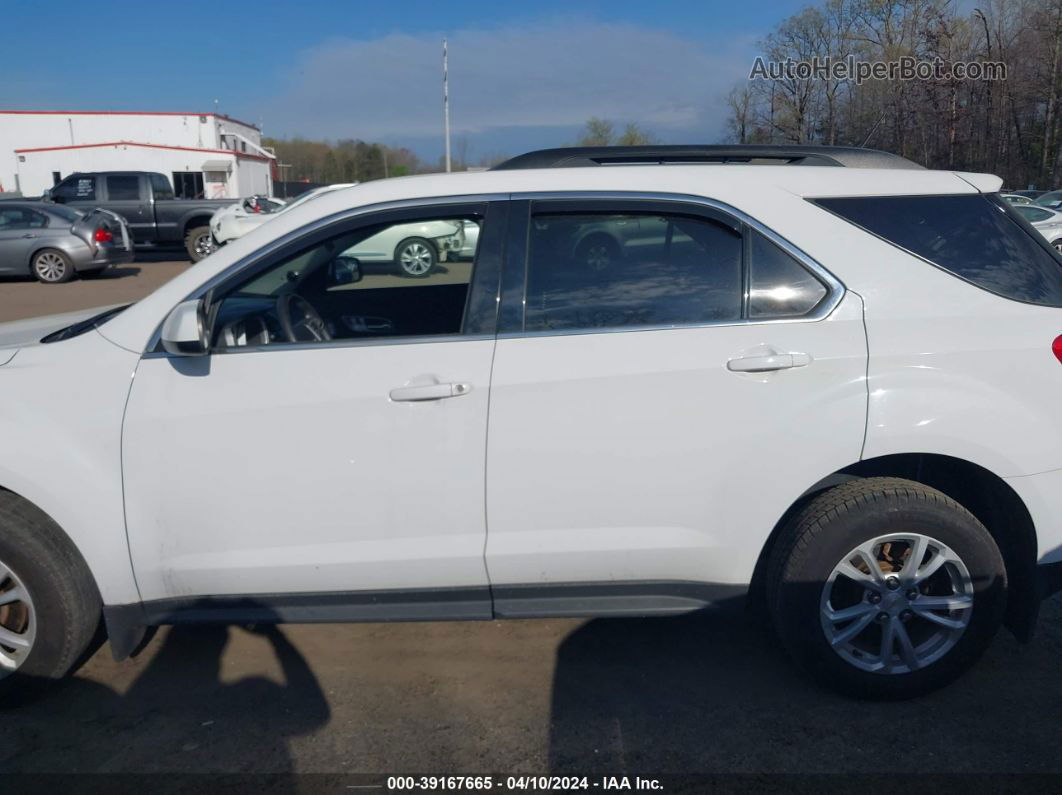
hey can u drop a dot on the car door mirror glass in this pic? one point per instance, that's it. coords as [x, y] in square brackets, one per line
[184, 332]
[344, 270]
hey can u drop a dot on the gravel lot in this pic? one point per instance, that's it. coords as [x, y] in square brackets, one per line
[703, 693]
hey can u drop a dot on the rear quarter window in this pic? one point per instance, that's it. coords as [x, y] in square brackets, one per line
[977, 238]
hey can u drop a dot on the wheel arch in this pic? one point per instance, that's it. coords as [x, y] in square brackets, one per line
[982, 492]
[193, 221]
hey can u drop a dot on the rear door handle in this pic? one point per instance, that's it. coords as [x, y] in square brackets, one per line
[768, 363]
[429, 392]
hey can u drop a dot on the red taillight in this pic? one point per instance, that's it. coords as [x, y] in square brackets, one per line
[104, 235]
[1056, 347]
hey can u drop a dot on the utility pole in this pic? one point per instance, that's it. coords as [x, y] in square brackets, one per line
[446, 107]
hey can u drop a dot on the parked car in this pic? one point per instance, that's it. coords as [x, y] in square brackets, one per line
[738, 409]
[146, 201]
[1032, 194]
[1016, 198]
[53, 243]
[235, 220]
[1053, 199]
[1046, 221]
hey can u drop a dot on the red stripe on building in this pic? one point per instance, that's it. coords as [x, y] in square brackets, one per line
[149, 146]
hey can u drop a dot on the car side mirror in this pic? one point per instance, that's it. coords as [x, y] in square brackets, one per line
[184, 332]
[344, 270]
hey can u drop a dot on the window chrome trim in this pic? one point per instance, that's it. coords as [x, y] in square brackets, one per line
[835, 288]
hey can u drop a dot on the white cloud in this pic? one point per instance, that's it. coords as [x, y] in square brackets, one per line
[547, 75]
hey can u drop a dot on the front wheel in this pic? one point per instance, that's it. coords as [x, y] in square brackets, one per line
[199, 243]
[49, 605]
[886, 588]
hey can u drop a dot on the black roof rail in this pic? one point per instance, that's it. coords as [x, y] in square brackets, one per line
[581, 156]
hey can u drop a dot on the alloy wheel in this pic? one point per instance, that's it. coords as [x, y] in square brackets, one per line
[896, 603]
[204, 245]
[415, 259]
[18, 622]
[50, 267]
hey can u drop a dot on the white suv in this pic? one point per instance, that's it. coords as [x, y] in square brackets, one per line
[831, 384]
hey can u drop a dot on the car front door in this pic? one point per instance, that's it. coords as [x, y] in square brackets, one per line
[653, 417]
[326, 460]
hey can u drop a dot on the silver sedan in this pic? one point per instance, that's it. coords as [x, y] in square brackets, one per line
[53, 243]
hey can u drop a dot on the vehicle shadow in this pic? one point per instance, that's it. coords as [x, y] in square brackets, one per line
[196, 721]
[119, 272]
[713, 693]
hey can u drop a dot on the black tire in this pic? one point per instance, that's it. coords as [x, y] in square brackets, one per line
[837, 521]
[597, 252]
[66, 603]
[1057, 244]
[199, 243]
[428, 251]
[51, 266]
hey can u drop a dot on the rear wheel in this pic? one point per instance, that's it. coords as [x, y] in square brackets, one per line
[1057, 244]
[416, 257]
[199, 243]
[49, 605]
[52, 266]
[597, 252]
[886, 588]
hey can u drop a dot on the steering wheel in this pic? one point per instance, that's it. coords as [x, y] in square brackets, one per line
[299, 321]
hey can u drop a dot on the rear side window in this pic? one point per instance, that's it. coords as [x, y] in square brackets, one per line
[610, 270]
[779, 286]
[123, 188]
[970, 236]
[160, 186]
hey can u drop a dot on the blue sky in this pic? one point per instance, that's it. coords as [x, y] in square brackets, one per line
[522, 75]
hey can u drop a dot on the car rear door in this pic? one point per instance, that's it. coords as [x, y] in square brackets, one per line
[129, 195]
[651, 419]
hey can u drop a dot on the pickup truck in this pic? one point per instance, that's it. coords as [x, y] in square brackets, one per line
[146, 201]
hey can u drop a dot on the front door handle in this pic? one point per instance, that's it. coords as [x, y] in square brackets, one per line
[29, 235]
[768, 363]
[429, 392]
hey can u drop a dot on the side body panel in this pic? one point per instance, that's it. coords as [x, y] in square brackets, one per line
[60, 446]
[639, 456]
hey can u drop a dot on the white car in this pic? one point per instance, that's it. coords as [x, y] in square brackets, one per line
[415, 249]
[831, 389]
[1016, 198]
[1046, 221]
[236, 220]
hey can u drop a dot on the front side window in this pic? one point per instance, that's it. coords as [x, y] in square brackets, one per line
[968, 235]
[408, 279]
[123, 188]
[619, 270]
[76, 188]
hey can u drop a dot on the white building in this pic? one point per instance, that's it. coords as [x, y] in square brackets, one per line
[203, 154]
